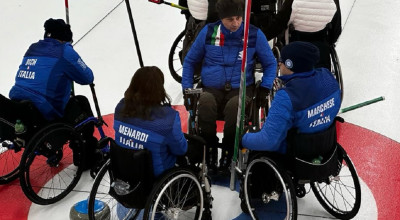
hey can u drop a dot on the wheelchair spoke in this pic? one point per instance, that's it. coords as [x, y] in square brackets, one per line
[179, 197]
[341, 196]
[268, 193]
[49, 169]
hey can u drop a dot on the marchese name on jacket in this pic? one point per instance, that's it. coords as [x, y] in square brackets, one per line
[26, 74]
[320, 110]
[133, 134]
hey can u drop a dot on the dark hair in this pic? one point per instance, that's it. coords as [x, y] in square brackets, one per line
[229, 8]
[57, 29]
[145, 92]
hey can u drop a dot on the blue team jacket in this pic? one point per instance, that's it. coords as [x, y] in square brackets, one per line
[308, 101]
[162, 136]
[46, 74]
[221, 52]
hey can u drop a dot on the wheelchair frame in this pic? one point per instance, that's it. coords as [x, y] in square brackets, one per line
[339, 195]
[13, 145]
[167, 198]
[49, 152]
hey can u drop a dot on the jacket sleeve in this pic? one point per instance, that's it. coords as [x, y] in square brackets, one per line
[77, 70]
[267, 59]
[194, 56]
[274, 131]
[177, 143]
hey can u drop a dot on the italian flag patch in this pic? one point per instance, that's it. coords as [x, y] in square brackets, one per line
[217, 37]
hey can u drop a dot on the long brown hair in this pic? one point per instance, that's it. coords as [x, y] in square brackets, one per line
[145, 92]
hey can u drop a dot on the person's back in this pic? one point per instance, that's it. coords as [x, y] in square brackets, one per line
[157, 135]
[311, 16]
[308, 101]
[48, 69]
[318, 23]
[145, 120]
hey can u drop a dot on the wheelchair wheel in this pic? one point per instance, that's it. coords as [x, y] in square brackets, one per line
[340, 195]
[336, 69]
[10, 154]
[175, 57]
[50, 170]
[100, 199]
[178, 195]
[269, 192]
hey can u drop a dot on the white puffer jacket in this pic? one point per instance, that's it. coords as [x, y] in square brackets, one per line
[311, 15]
[198, 8]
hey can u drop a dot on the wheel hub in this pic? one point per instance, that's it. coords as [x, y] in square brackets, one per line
[266, 198]
[173, 213]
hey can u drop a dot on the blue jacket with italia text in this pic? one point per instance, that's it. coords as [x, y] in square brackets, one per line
[45, 76]
[308, 101]
[221, 51]
[162, 136]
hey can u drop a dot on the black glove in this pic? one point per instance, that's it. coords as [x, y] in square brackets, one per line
[247, 129]
[262, 97]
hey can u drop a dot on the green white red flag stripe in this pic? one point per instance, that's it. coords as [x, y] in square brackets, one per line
[217, 38]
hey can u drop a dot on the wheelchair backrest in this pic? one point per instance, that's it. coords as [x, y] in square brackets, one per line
[77, 110]
[264, 7]
[135, 168]
[310, 146]
[303, 148]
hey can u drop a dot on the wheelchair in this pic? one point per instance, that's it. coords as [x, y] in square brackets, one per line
[270, 182]
[182, 192]
[13, 145]
[56, 154]
[261, 10]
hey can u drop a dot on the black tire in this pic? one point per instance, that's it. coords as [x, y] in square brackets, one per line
[177, 191]
[273, 197]
[48, 172]
[336, 69]
[10, 154]
[243, 206]
[340, 195]
[99, 195]
[175, 61]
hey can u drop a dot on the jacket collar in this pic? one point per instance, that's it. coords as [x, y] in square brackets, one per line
[227, 32]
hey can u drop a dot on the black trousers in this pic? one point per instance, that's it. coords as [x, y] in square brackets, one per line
[215, 104]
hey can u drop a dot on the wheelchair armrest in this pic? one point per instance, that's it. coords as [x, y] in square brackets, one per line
[195, 91]
[195, 138]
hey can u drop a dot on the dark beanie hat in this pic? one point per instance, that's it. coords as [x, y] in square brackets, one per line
[229, 8]
[300, 56]
[57, 29]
